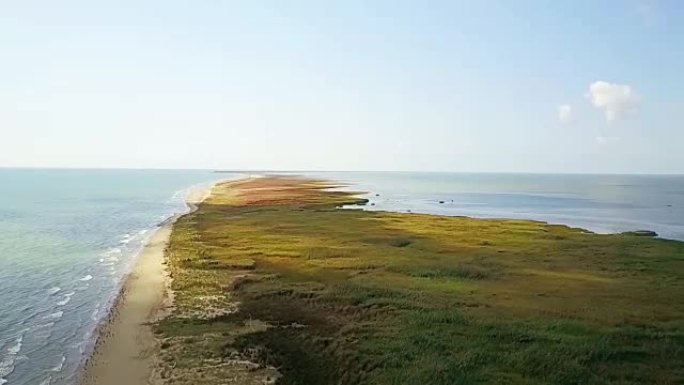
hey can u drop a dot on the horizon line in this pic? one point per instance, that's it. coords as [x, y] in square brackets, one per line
[228, 170]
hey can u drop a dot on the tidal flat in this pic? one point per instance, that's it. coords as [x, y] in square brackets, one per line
[274, 283]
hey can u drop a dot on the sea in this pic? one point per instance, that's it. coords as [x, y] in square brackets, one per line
[68, 238]
[599, 203]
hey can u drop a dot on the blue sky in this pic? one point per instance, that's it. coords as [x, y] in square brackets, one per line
[499, 86]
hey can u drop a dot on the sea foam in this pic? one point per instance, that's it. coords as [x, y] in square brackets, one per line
[58, 367]
[65, 299]
[7, 362]
[54, 316]
[54, 290]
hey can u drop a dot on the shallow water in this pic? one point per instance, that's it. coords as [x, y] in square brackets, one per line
[600, 203]
[67, 239]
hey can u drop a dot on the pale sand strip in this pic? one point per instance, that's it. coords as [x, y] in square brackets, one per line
[126, 348]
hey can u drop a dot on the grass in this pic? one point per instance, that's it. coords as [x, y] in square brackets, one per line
[274, 283]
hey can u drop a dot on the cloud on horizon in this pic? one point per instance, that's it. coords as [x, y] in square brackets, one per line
[616, 100]
[565, 114]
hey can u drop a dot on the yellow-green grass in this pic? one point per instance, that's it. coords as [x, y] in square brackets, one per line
[272, 271]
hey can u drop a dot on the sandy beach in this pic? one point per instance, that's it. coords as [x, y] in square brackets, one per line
[125, 351]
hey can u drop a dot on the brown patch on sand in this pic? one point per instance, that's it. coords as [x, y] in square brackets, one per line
[275, 190]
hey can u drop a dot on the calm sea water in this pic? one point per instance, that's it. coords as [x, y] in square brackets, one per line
[600, 203]
[68, 237]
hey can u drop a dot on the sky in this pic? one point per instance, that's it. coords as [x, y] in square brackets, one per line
[467, 86]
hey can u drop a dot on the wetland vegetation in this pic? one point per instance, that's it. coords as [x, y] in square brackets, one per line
[274, 283]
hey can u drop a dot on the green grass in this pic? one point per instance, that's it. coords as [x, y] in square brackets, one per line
[272, 272]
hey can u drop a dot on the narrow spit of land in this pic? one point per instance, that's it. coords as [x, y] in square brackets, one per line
[274, 283]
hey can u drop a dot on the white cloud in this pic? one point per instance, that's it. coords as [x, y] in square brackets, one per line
[601, 139]
[616, 100]
[565, 113]
[647, 10]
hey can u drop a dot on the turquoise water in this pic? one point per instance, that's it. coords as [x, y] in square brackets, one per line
[68, 237]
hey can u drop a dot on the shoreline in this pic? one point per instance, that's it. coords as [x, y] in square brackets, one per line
[125, 348]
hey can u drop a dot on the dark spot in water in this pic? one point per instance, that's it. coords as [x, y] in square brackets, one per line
[641, 233]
